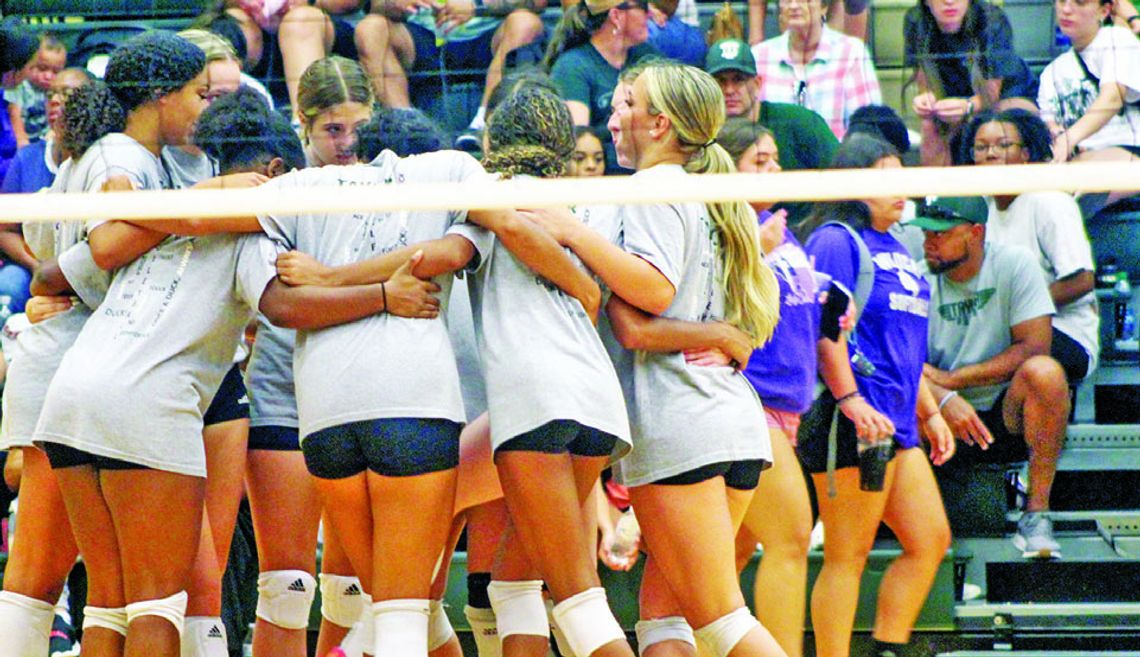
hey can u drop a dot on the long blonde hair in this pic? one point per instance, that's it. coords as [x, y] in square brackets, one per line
[694, 104]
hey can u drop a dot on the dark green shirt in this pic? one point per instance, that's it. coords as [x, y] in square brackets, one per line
[805, 142]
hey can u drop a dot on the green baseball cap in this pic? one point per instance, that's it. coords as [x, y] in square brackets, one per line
[730, 55]
[944, 213]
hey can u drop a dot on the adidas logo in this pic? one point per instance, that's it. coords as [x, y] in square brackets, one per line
[298, 585]
[353, 589]
[214, 633]
[489, 631]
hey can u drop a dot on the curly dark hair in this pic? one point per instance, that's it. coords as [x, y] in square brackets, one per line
[152, 65]
[89, 112]
[240, 131]
[404, 131]
[1036, 140]
[531, 133]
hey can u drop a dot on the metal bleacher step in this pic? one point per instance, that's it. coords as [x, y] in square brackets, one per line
[1101, 447]
[1049, 617]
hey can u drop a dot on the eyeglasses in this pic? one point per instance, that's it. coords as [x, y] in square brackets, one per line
[1000, 147]
[643, 5]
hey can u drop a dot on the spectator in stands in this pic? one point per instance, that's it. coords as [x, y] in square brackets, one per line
[814, 66]
[595, 41]
[404, 131]
[18, 47]
[988, 358]
[1125, 14]
[883, 122]
[589, 156]
[278, 39]
[1090, 95]
[803, 138]
[874, 395]
[1049, 225]
[27, 103]
[33, 169]
[401, 36]
[673, 37]
[963, 59]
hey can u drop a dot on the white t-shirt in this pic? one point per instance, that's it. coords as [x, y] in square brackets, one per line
[970, 322]
[1066, 92]
[380, 366]
[1049, 225]
[684, 416]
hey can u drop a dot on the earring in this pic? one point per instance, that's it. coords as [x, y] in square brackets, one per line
[616, 31]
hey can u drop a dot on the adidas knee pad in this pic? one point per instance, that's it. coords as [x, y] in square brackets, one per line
[25, 624]
[587, 621]
[109, 619]
[484, 630]
[205, 636]
[519, 608]
[439, 625]
[173, 609]
[660, 630]
[284, 598]
[722, 635]
[341, 600]
[401, 627]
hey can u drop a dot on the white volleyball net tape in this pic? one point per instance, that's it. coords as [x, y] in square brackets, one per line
[532, 193]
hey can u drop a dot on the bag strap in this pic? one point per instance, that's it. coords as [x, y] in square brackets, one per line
[865, 275]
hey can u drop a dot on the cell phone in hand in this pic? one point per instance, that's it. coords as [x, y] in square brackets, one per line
[833, 309]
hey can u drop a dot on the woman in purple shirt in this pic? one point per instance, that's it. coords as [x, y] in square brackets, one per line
[882, 403]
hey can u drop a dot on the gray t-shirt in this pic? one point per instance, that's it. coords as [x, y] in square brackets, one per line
[381, 366]
[461, 328]
[269, 377]
[542, 357]
[147, 364]
[971, 321]
[684, 416]
[186, 167]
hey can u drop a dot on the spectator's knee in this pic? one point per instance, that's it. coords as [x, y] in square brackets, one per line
[1045, 379]
[302, 21]
[520, 28]
[370, 29]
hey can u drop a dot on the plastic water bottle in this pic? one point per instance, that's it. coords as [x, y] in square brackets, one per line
[627, 534]
[1128, 329]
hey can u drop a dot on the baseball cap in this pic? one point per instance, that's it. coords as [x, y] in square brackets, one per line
[730, 55]
[944, 213]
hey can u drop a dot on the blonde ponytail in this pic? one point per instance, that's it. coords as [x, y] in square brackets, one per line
[694, 104]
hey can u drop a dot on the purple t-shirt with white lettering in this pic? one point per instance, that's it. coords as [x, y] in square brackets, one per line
[783, 372]
[892, 330]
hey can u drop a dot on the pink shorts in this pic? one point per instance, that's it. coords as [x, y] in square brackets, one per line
[785, 421]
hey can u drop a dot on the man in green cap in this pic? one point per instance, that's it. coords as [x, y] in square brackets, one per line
[988, 358]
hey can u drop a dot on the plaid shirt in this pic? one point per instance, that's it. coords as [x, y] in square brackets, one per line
[837, 81]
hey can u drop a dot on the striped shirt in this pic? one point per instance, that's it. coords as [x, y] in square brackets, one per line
[838, 80]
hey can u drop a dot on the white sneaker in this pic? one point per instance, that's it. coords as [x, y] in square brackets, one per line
[1034, 537]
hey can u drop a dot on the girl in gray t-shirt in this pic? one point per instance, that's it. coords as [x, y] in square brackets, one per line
[699, 431]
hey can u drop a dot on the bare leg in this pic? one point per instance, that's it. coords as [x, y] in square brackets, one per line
[305, 36]
[157, 518]
[850, 520]
[1037, 405]
[915, 514]
[386, 51]
[31, 570]
[286, 513]
[519, 28]
[226, 446]
[95, 536]
[780, 518]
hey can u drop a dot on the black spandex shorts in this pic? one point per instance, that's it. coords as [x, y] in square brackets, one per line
[63, 456]
[391, 447]
[274, 438]
[560, 437]
[231, 401]
[811, 443]
[741, 475]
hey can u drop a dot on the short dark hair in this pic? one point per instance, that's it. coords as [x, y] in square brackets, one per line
[151, 65]
[882, 122]
[404, 131]
[240, 131]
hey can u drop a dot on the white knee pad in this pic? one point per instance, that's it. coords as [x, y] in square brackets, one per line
[722, 635]
[284, 598]
[587, 621]
[362, 637]
[564, 648]
[440, 630]
[519, 608]
[107, 618]
[660, 630]
[25, 624]
[205, 636]
[341, 599]
[173, 609]
[484, 630]
[401, 627]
